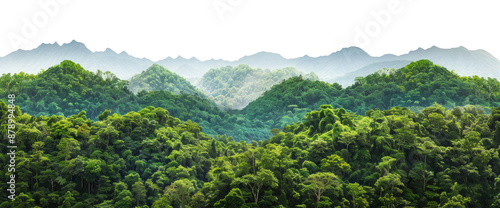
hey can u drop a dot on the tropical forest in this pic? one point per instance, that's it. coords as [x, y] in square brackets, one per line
[416, 136]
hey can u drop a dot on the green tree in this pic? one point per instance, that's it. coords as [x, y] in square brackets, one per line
[69, 200]
[357, 193]
[335, 164]
[163, 202]
[234, 199]
[390, 184]
[318, 183]
[180, 191]
[67, 147]
[348, 138]
[386, 165]
[255, 182]
[124, 199]
[139, 191]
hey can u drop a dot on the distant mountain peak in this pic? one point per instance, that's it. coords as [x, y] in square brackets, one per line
[109, 51]
[179, 57]
[265, 54]
[75, 44]
[352, 48]
[419, 49]
[48, 45]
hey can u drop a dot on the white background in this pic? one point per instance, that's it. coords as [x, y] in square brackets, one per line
[156, 29]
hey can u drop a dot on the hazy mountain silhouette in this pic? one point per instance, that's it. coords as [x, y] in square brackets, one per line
[465, 63]
[122, 65]
[341, 66]
[348, 78]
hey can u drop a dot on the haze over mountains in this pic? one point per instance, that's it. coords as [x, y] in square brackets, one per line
[341, 66]
[46, 55]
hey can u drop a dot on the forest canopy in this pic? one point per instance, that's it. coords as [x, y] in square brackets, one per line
[419, 136]
[67, 89]
[415, 86]
[334, 158]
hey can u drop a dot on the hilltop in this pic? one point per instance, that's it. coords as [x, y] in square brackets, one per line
[235, 87]
[67, 89]
[418, 85]
[157, 77]
[288, 101]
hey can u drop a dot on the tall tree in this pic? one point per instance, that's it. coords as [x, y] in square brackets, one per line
[318, 183]
[255, 182]
[180, 191]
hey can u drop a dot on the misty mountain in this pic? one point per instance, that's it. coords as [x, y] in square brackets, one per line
[341, 66]
[235, 87]
[158, 77]
[336, 64]
[463, 61]
[348, 78]
[122, 65]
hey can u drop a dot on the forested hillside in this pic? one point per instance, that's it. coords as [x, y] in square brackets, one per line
[418, 85]
[235, 87]
[67, 89]
[85, 140]
[157, 77]
[391, 158]
[288, 101]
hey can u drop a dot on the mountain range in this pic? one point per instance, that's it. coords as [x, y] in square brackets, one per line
[341, 66]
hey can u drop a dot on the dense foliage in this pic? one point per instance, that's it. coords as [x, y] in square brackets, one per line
[288, 101]
[235, 87]
[202, 111]
[416, 86]
[67, 89]
[157, 77]
[419, 84]
[334, 158]
[87, 141]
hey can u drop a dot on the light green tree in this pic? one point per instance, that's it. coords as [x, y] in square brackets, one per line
[335, 164]
[357, 193]
[256, 182]
[180, 190]
[67, 147]
[318, 183]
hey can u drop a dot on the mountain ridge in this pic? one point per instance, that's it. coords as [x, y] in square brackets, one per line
[337, 66]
